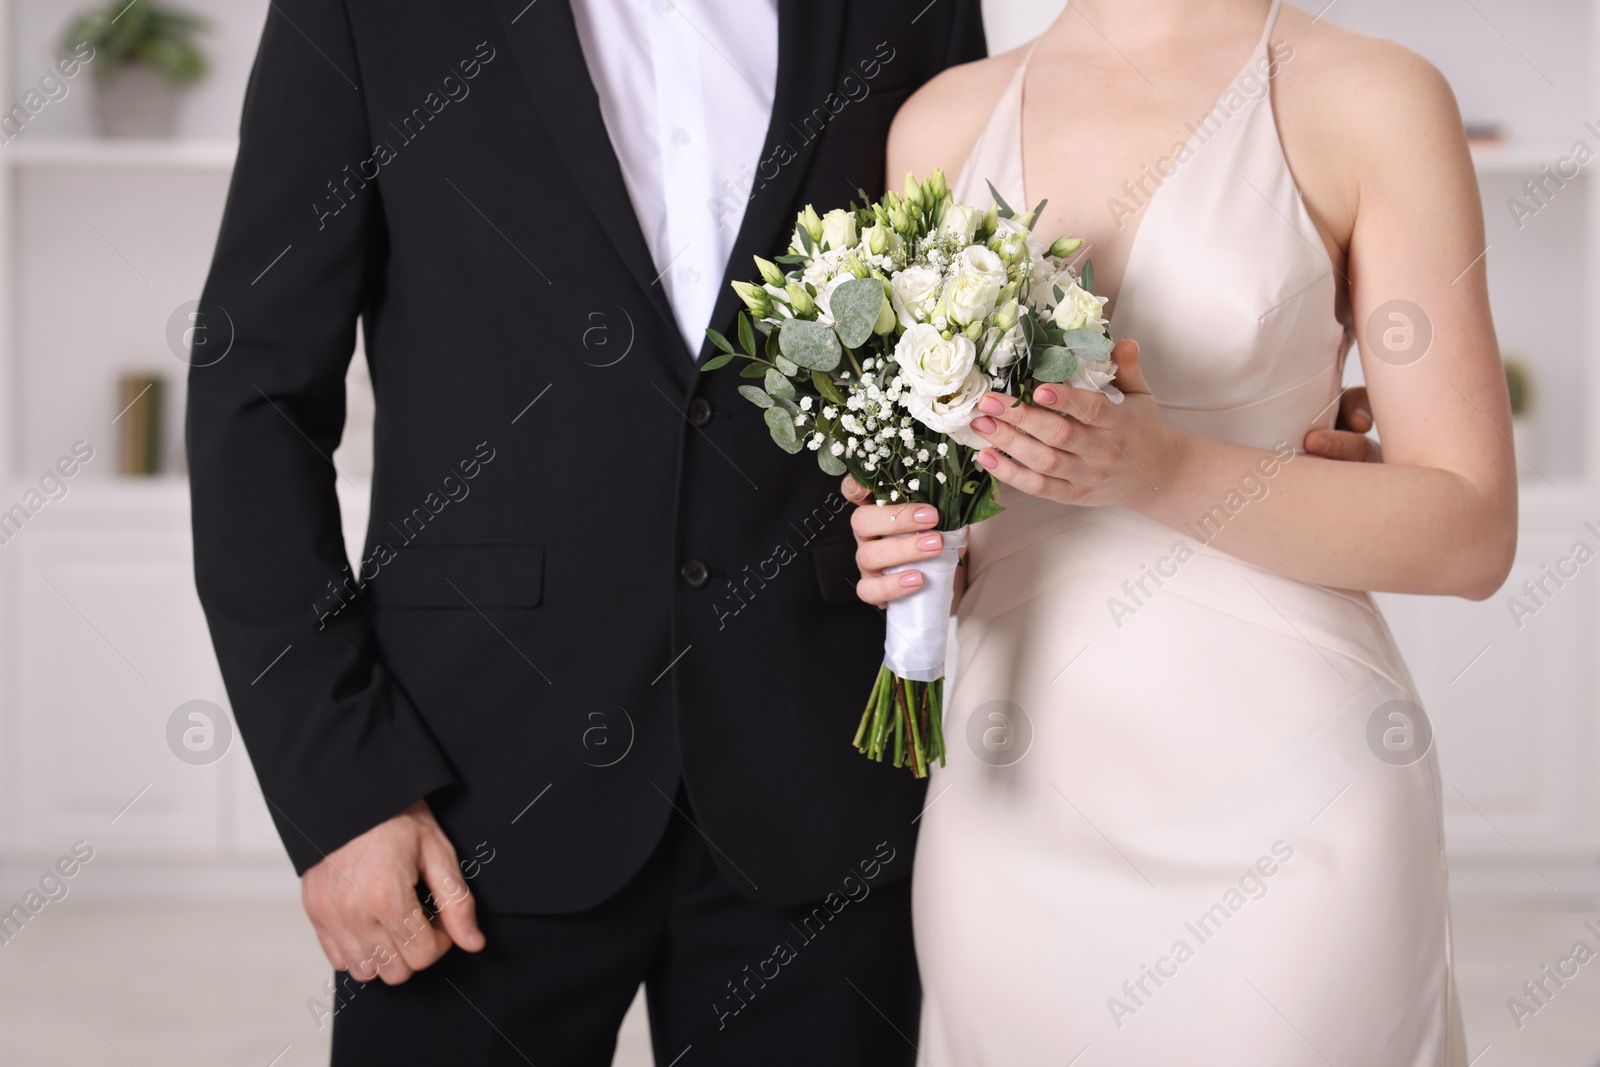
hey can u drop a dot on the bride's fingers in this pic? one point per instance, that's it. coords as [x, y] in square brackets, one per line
[879, 589]
[882, 553]
[1047, 456]
[1130, 379]
[854, 491]
[870, 520]
[1086, 405]
[1028, 480]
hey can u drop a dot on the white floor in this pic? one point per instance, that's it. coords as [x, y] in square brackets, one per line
[140, 985]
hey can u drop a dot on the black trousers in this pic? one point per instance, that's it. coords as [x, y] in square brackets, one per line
[728, 981]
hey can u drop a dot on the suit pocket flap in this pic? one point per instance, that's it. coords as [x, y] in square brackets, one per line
[497, 574]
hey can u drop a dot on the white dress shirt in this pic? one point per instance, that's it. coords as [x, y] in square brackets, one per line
[686, 90]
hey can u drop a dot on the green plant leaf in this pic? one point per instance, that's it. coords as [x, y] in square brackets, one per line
[756, 396]
[856, 305]
[1086, 277]
[779, 386]
[1087, 344]
[1053, 363]
[1000, 202]
[830, 463]
[716, 362]
[719, 340]
[987, 507]
[747, 336]
[809, 344]
[754, 370]
[826, 387]
[781, 424]
[786, 366]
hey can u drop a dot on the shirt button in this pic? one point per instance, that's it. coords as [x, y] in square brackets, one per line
[699, 412]
[680, 136]
[691, 276]
[695, 574]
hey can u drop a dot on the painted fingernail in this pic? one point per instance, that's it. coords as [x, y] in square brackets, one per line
[985, 425]
[923, 516]
[911, 579]
[989, 460]
[991, 405]
[931, 543]
[1045, 395]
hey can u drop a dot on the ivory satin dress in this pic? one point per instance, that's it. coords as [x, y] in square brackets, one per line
[1191, 814]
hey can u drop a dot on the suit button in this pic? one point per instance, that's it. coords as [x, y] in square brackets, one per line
[695, 573]
[699, 412]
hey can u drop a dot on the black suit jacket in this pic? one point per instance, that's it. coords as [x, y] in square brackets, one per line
[589, 575]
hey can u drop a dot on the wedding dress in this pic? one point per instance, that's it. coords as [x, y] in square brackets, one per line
[1192, 812]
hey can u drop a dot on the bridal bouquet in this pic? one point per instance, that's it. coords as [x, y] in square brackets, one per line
[886, 328]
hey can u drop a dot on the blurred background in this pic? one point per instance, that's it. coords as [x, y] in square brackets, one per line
[178, 939]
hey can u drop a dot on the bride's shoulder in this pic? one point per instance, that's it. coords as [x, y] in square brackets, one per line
[939, 123]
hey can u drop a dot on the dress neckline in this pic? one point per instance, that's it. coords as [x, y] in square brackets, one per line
[1018, 89]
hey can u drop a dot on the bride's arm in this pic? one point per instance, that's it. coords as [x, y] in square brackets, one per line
[1439, 514]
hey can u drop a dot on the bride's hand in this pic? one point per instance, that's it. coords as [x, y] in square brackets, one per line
[1075, 446]
[880, 544]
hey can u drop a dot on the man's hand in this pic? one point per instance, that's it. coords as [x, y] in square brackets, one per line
[363, 903]
[1348, 439]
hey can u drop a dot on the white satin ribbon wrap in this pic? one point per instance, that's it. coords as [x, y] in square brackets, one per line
[919, 624]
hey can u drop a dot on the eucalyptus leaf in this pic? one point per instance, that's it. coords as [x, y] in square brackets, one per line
[747, 336]
[787, 366]
[779, 386]
[855, 305]
[781, 425]
[756, 396]
[718, 361]
[1087, 344]
[830, 463]
[1053, 363]
[809, 344]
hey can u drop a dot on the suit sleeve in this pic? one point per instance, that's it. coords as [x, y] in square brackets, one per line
[337, 746]
[967, 39]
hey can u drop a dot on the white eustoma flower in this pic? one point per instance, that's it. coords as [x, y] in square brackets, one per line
[1080, 308]
[976, 259]
[839, 229]
[971, 297]
[910, 290]
[1097, 374]
[951, 415]
[960, 221]
[1002, 349]
[932, 365]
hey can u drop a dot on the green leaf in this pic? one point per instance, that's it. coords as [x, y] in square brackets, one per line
[747, 336]
[1086, 277]
[1038, 212]
[809, 344]
[719, 340]
[781, 425]
[1000, 202]
[855, 305]
[718, 361]
[789, 259]
[779, 386]
[754, 370]
[758, 397]
[786, 366]
[830, 463]
[987, 507]
[1087, 344]
[826, 387]
[1053, 363]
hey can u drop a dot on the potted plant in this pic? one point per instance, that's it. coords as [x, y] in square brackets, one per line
[143, 55]
[1519, 384]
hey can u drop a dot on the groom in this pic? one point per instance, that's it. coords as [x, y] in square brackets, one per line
[582, 707]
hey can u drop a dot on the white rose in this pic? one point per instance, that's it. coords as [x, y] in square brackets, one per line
[1079, 308]
[1005, 348]
[911, 289]
[839, 229]
[960, 220]
[976, 259]
[1097, 374]
[952, 415]
[931, 365]
[970, 297]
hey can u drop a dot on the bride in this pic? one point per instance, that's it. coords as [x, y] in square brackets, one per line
[1191, 812]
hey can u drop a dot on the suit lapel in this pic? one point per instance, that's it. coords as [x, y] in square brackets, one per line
[809, 39]
[544, 39]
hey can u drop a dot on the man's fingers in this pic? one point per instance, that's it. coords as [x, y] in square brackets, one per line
[458, 912]
[1355, 410]
[1339, 444]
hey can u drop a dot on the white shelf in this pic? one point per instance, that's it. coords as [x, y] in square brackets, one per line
[1519, 159]
[110, 153]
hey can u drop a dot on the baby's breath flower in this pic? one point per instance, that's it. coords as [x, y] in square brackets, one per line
[939, 476]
